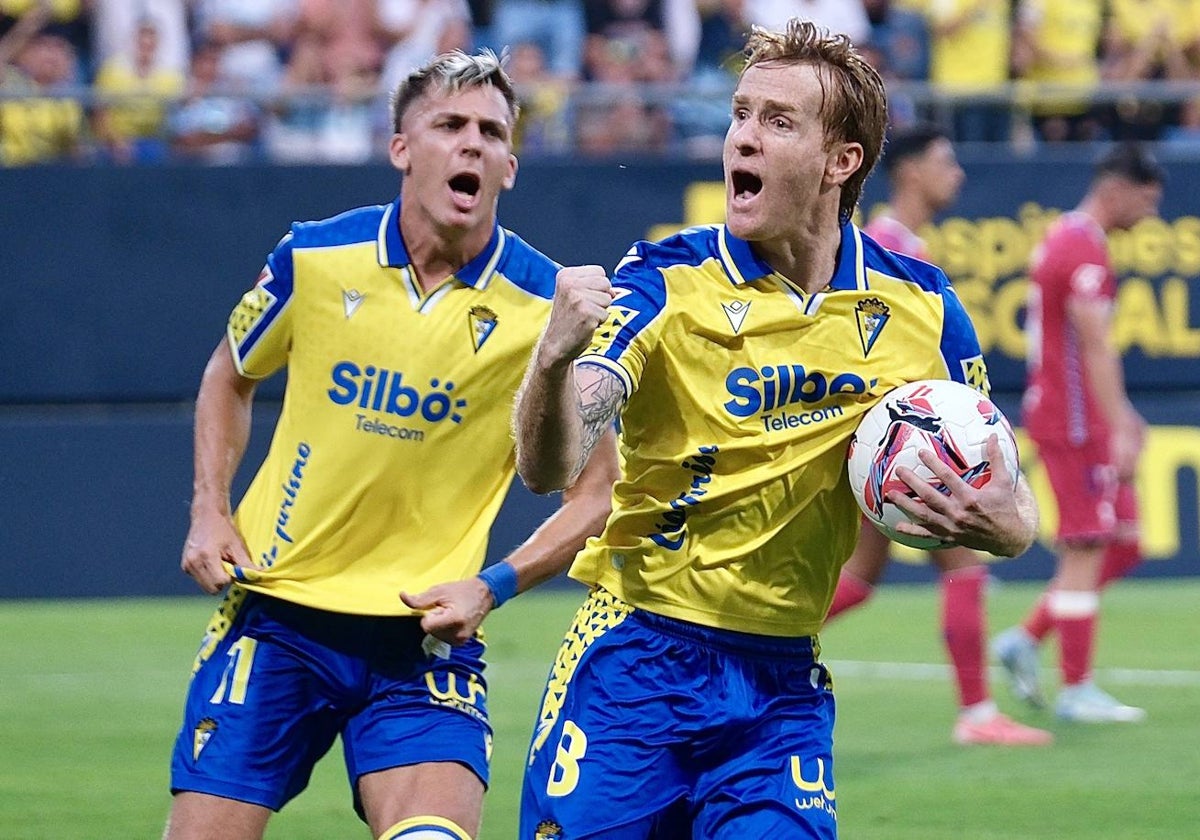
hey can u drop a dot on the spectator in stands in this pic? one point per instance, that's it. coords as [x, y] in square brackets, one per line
[724, 27]
[1144, 40]
[132, 126]
[115, 26]
[68, 19]
[324, 111]
[557, 26]
[415, 31]
[701, 113]
[681, 23]
[347, 31]
[543, 124]
[254, 34]
[898, 47]
[969, 56]
[44, 124]
[847, 17]
[900, 36]
[626, 51]
[1057, 43]
[212, 125]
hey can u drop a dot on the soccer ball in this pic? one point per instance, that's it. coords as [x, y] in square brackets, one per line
[952, 420]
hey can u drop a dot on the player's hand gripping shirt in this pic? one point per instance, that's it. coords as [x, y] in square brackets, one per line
[1071, 263]
[394, 448]
[733, 509]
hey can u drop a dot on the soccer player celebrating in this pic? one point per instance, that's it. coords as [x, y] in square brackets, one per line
[355, 554]
[689, 691]
[1087, 432]
[924, 178]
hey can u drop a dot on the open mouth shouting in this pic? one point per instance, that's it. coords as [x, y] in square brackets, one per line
[465, 190]
[744, 187]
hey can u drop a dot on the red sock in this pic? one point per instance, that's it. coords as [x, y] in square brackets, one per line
[1120, 558]
[963, 620]
[1075, 619]
[851, 591]
[1039, 622]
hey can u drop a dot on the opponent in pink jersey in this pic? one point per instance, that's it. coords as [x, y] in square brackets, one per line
[1087, 432]
[924, 178]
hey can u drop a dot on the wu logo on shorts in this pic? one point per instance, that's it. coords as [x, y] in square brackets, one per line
[815, 793]
[202, 734]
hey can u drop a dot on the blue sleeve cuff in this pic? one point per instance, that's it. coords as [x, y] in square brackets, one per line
[501, 581]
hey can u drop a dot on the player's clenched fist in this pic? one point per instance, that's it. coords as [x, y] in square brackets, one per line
[581, 297]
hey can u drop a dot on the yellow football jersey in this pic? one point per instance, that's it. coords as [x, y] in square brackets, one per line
[734, 509]
[393, 451]
[975, 54]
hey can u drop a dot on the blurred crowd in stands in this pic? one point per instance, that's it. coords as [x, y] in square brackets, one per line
[227, 81]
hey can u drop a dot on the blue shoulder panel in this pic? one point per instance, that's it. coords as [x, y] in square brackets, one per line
[928, 277]
[527, 268]
[960, 345]
[358, 225]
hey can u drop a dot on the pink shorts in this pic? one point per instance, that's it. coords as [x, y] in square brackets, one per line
[1091, 501]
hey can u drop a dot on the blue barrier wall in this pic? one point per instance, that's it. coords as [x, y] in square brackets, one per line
[116, 283]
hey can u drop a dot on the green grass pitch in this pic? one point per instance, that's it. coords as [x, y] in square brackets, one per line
[90, 694]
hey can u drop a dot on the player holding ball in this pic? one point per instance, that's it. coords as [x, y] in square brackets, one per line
[740, 358]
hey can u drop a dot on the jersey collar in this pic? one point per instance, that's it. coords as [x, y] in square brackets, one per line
[743, 266]
[477, 273]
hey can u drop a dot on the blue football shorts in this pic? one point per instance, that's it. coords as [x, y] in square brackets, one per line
[656, 728]
[275, 683]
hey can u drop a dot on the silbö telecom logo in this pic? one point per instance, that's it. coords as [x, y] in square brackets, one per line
[773, 391]
[385, 391]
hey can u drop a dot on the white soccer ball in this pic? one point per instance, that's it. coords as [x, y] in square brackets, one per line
[952, 420]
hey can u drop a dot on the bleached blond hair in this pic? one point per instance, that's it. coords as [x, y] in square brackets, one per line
[452, 72]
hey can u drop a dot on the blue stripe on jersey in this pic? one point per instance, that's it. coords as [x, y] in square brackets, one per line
[527, 268]
[928, 277]
[739, 259]
[279, 262]
[641, 295]
[353, 226]
[959, 342]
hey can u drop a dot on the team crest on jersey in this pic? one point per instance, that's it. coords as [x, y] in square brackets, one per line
[202, 735]
[975, 374]
[548, 830]
[736, 313]
[872, 315]
[482, 321]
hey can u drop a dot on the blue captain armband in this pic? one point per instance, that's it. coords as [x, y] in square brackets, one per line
[501, 581]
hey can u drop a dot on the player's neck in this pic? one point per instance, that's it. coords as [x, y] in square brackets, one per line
[910, 210]
[807, 259]
[1093, 208]
[434, 252]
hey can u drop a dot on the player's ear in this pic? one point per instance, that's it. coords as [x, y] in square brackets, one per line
[843, 160]
[398, 152]
[511, 178]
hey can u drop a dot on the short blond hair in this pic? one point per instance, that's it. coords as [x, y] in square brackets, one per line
[449, 73]
[854, 105]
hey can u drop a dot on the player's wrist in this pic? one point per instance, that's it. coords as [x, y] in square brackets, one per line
[501, 581]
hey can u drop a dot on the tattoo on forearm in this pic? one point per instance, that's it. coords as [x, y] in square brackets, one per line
[599, 403]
